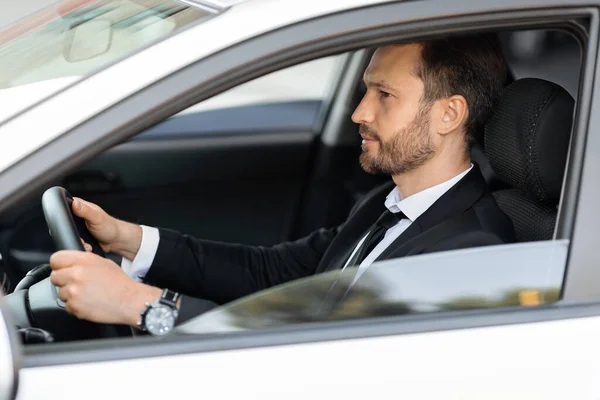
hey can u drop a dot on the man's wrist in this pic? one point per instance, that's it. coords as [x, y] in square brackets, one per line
[130, 239]
[141, 296]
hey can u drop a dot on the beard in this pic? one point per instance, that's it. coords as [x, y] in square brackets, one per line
[408, 149]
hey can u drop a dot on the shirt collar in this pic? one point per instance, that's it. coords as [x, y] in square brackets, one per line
[415, 205]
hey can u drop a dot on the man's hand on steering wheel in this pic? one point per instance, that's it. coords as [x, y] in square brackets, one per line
[96, 289]
[113, 235]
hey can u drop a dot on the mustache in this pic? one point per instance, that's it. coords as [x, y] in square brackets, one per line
[367, 131]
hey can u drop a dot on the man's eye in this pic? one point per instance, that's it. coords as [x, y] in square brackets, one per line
[384, 95]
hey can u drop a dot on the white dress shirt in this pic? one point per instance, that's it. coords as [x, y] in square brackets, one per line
[412, 207]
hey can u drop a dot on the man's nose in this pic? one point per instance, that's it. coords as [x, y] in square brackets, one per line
[363, 114]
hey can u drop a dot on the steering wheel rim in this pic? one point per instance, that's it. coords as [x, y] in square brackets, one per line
[66, 229]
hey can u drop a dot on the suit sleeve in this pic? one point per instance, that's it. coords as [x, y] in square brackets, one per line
[222, 272]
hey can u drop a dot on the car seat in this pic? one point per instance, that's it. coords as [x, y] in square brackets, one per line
[526, 142]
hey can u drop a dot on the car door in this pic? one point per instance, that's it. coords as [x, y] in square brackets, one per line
[463, 361]
[348, 359]
[405, 329]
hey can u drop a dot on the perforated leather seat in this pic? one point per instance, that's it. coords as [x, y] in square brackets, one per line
[526, 142]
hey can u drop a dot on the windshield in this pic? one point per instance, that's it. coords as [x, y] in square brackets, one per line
[59, 45]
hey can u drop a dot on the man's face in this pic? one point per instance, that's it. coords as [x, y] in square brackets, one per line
[394, 124]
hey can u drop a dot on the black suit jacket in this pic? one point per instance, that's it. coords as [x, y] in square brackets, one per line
[465, 216]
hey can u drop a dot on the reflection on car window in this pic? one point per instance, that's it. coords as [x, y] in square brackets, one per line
[524, 274]
[288, 100]
[309, 81]
[59, 45]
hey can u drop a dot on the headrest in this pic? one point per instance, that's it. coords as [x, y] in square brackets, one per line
[527, 138]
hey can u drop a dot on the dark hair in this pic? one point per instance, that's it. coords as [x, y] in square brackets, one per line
[472, 66]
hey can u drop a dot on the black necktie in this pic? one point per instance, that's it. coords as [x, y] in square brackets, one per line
[387, 220]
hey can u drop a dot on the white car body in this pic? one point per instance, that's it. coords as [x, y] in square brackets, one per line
[524, 360]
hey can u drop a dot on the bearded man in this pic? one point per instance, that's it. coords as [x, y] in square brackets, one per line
[425, 105]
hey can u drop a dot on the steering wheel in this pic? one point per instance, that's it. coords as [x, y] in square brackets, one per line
[65, 228]
[35, 301]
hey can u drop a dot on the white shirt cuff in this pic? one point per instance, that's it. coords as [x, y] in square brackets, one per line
[139, 267]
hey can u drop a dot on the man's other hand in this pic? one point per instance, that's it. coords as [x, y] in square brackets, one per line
[96, 289]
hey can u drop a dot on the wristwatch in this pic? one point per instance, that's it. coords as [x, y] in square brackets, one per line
[160, 316]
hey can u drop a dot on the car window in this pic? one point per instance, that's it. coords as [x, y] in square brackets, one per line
[287, 100]
[309, 81]
[66, 41]
[525, 274]
[545, 54]
[512, 275]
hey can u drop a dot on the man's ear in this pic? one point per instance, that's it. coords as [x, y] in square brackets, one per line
[454, 114]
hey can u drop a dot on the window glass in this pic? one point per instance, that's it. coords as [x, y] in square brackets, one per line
[545, 54]
[288, 100]
[526, 274]
[309, 81]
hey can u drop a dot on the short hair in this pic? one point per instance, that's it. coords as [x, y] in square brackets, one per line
[472, 66]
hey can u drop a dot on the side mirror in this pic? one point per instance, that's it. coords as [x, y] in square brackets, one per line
[87, 40]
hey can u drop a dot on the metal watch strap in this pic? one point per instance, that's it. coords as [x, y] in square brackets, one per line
[169, 298]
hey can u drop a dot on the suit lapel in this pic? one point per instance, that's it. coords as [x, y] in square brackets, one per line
[352, 233]
[462, 196]
[357, 225]
[413, 231]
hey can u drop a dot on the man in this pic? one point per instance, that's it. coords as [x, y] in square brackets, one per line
[424, 106]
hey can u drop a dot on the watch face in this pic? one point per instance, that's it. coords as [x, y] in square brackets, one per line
[159, 320]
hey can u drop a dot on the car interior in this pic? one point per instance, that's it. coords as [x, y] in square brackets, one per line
[262, 173]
